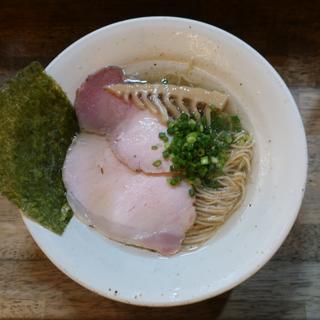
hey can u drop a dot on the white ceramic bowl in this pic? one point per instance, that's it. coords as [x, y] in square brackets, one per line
[254, 233]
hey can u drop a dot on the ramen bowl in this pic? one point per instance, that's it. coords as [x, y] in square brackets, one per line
[275, 189]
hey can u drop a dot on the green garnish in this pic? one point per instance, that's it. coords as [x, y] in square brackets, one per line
[163, 136]
[204, 160]
[214, 160]
[154, 147]
[174, 181]
[37, 125]
[192, 137]
[236, 124]
[192, 123]
[199, 151]
[192, 193]
[166, 154]
[157, 163]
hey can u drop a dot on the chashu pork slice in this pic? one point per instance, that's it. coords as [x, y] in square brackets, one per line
[126, 206]
[136, 143]
[99, 111]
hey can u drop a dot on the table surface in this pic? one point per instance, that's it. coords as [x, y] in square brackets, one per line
[287, 33]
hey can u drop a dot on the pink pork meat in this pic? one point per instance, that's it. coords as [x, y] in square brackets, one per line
[126, 206]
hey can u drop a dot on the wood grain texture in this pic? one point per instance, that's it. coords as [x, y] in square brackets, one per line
[287, 33]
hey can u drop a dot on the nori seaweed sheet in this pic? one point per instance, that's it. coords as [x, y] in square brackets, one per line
[37, 125]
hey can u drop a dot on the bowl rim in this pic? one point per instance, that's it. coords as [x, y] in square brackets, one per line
[285, 231]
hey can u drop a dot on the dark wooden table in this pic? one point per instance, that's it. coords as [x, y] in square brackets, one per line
[287, 33]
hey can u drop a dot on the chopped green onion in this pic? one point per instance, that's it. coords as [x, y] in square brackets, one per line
[236, 124]
[192, 193]
[204, 160]
[184, 117]
[170, 124]
[171, 127]
[192, 123]
[192, 137]
[198, 151]
[214, 160]
[157, 163]
[201, 152]
[165, 154]
[174, 181]
[163, 137]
